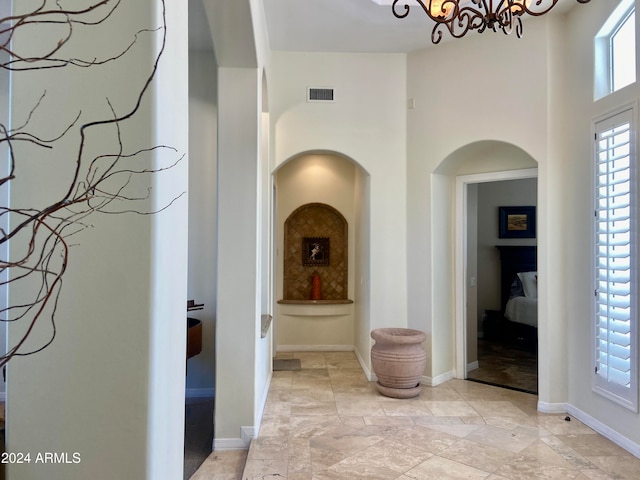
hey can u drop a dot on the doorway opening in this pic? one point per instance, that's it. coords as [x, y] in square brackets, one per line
[496, 321]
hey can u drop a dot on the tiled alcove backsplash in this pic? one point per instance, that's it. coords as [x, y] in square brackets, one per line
[315, 220]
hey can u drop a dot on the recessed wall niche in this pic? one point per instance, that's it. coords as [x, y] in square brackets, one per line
[328, 226]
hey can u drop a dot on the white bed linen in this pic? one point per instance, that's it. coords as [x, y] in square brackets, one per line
[522, 310]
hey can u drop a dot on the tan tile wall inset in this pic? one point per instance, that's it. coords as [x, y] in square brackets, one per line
[315, 220]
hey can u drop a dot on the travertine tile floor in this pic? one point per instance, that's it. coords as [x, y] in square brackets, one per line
[328, 422]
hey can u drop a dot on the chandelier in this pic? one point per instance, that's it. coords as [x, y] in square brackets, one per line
[460, 16]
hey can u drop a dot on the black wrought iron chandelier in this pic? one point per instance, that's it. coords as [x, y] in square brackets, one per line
[461, 16]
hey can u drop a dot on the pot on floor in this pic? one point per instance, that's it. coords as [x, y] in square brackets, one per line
[398, 360]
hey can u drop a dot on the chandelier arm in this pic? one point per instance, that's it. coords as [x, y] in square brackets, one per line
[504, 17]
[523, 7]
[406, 9]
[474, 20]
[468, 19]
[436, 33]
[449, 9]
[519, 27]
[456, 27]
[477, 15]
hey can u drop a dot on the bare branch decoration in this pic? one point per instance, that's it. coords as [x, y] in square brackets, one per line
[101, 184]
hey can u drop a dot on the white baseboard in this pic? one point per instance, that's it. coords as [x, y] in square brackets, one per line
[432, 382]
[363, 365]
[546, 407]
[247, 434]
[200, 392]
[606, 431]
[438, 379]
[262, 405]
[314, 348]
[473, 366]
[225, 444]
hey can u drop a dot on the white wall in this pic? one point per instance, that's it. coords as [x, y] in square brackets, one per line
[471, 280]
[243, 357]
[368, 127]
[264, 338]
[459, 127]
[111, 386]
[543, 103]
[470, 91]
[5, 11]
[362, 271]
[203, 118]
[576, 174]
[238, 307]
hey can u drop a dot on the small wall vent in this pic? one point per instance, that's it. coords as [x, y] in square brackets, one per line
[320, 94]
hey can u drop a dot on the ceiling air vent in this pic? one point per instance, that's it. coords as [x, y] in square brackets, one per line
[320, 94]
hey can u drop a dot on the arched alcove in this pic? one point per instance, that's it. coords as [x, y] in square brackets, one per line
[315, 244]
[321, 195]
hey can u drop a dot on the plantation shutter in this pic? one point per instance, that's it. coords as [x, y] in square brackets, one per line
[615, 369]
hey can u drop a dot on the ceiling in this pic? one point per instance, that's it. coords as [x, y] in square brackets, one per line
[353, 25]
[349, 26]
[344, 26]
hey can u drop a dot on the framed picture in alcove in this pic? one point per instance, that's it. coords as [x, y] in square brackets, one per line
[315, 251]
[517, 222]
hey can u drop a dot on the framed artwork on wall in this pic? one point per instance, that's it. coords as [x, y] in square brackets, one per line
[315, 251]
[517, 222]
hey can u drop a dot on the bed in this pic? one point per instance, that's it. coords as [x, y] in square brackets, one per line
[522, 305]
[518, 290]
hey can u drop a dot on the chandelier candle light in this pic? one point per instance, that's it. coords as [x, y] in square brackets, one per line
[460, 16]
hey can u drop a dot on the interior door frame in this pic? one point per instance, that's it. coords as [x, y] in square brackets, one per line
[462, 183]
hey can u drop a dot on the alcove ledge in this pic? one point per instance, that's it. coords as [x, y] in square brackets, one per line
[315, 308]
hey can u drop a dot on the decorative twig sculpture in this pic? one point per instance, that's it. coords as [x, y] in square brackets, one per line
[103, 183]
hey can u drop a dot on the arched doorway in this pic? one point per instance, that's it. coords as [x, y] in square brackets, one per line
[492, 347]
[478, 162]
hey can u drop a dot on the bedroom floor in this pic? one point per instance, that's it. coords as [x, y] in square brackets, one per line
[506, 365]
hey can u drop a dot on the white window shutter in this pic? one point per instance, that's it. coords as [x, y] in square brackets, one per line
[616, 218]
